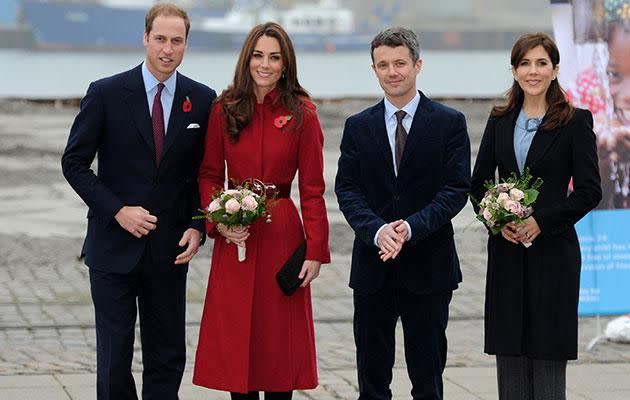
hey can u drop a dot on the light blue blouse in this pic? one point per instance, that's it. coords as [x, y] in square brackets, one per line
[524, 132]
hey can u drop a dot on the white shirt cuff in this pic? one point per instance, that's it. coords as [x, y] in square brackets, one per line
[408, 229]
[376, 236]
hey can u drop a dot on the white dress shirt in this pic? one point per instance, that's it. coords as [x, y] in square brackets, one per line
[390, 124]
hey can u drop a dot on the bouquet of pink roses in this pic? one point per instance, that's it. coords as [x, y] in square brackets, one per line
[509, 201]
[240, 207]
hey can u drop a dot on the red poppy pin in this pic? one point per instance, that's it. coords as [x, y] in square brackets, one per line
[282, 121]
[187, 106]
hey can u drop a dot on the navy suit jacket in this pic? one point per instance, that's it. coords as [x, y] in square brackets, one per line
[114, 123]
[430, 189]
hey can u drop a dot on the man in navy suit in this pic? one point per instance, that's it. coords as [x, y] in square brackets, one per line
[404, 173]
[147, 126]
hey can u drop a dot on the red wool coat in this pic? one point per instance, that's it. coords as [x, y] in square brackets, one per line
[252, 336]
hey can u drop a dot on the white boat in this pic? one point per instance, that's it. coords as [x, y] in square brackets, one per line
[321, 26]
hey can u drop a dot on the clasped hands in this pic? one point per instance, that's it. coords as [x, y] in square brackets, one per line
[139, 222]
[238, 236]
[391, 239]
[525, 232]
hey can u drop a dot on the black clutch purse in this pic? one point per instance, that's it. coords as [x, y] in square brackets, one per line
[287, 277]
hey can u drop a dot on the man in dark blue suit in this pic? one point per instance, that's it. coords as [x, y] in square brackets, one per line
[147, 126]
[404, 173]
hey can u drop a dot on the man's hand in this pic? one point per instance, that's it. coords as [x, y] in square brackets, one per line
[390, 241]
[192, 237]
[136, 220]
[402, 229]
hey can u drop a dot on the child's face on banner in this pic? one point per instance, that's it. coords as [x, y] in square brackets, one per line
[619, 72]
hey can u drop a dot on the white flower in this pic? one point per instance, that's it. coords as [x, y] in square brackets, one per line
[516, 194]
[214, 205]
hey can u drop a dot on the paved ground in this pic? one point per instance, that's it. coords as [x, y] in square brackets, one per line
[47, 342]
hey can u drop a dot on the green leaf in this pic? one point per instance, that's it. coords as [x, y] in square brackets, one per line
[530, 196]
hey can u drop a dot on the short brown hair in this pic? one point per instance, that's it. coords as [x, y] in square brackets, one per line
[397, 36]
[165, 10]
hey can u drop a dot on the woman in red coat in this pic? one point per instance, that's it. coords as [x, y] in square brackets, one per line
[252, 336]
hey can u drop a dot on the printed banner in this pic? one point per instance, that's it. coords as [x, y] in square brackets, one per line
[594, 41]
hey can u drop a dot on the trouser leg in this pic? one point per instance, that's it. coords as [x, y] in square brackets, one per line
[114, 298]
[375, 318]
[162, 307]
[424, 318]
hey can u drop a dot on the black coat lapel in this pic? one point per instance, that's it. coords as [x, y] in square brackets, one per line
[137, 101]
[505, 130]
[177, 117]
[541, 143]
[376, 124]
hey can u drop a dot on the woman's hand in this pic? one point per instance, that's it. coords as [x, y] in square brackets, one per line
[528, 231]
[509, 233]
[237, 235]
[310, 271]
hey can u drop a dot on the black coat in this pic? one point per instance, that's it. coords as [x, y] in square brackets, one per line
[532, 294]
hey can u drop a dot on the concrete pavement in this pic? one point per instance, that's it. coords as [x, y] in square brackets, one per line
[47, 341]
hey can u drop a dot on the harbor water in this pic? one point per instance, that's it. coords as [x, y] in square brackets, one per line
[60, 75]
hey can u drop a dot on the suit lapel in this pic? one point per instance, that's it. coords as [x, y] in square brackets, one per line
[177, 117]
[419, 128]
[376, 124]
[137, 101]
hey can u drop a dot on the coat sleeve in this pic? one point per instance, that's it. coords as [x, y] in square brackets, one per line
[587, 191]
[83, 142]
[350, 195]
[485, 165]
[451, 198]
[195, 193]
[312, 186]
[211, 176]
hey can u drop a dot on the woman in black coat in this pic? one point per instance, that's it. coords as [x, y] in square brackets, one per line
[532, 293]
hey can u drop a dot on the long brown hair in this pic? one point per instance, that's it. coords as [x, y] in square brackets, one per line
[238, 99]
[560, 110]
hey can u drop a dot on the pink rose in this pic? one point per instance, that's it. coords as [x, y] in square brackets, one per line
[502, 198]
[249, 203]
[232, 206]
[513, 206]
[516, 194]
[215, 205]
